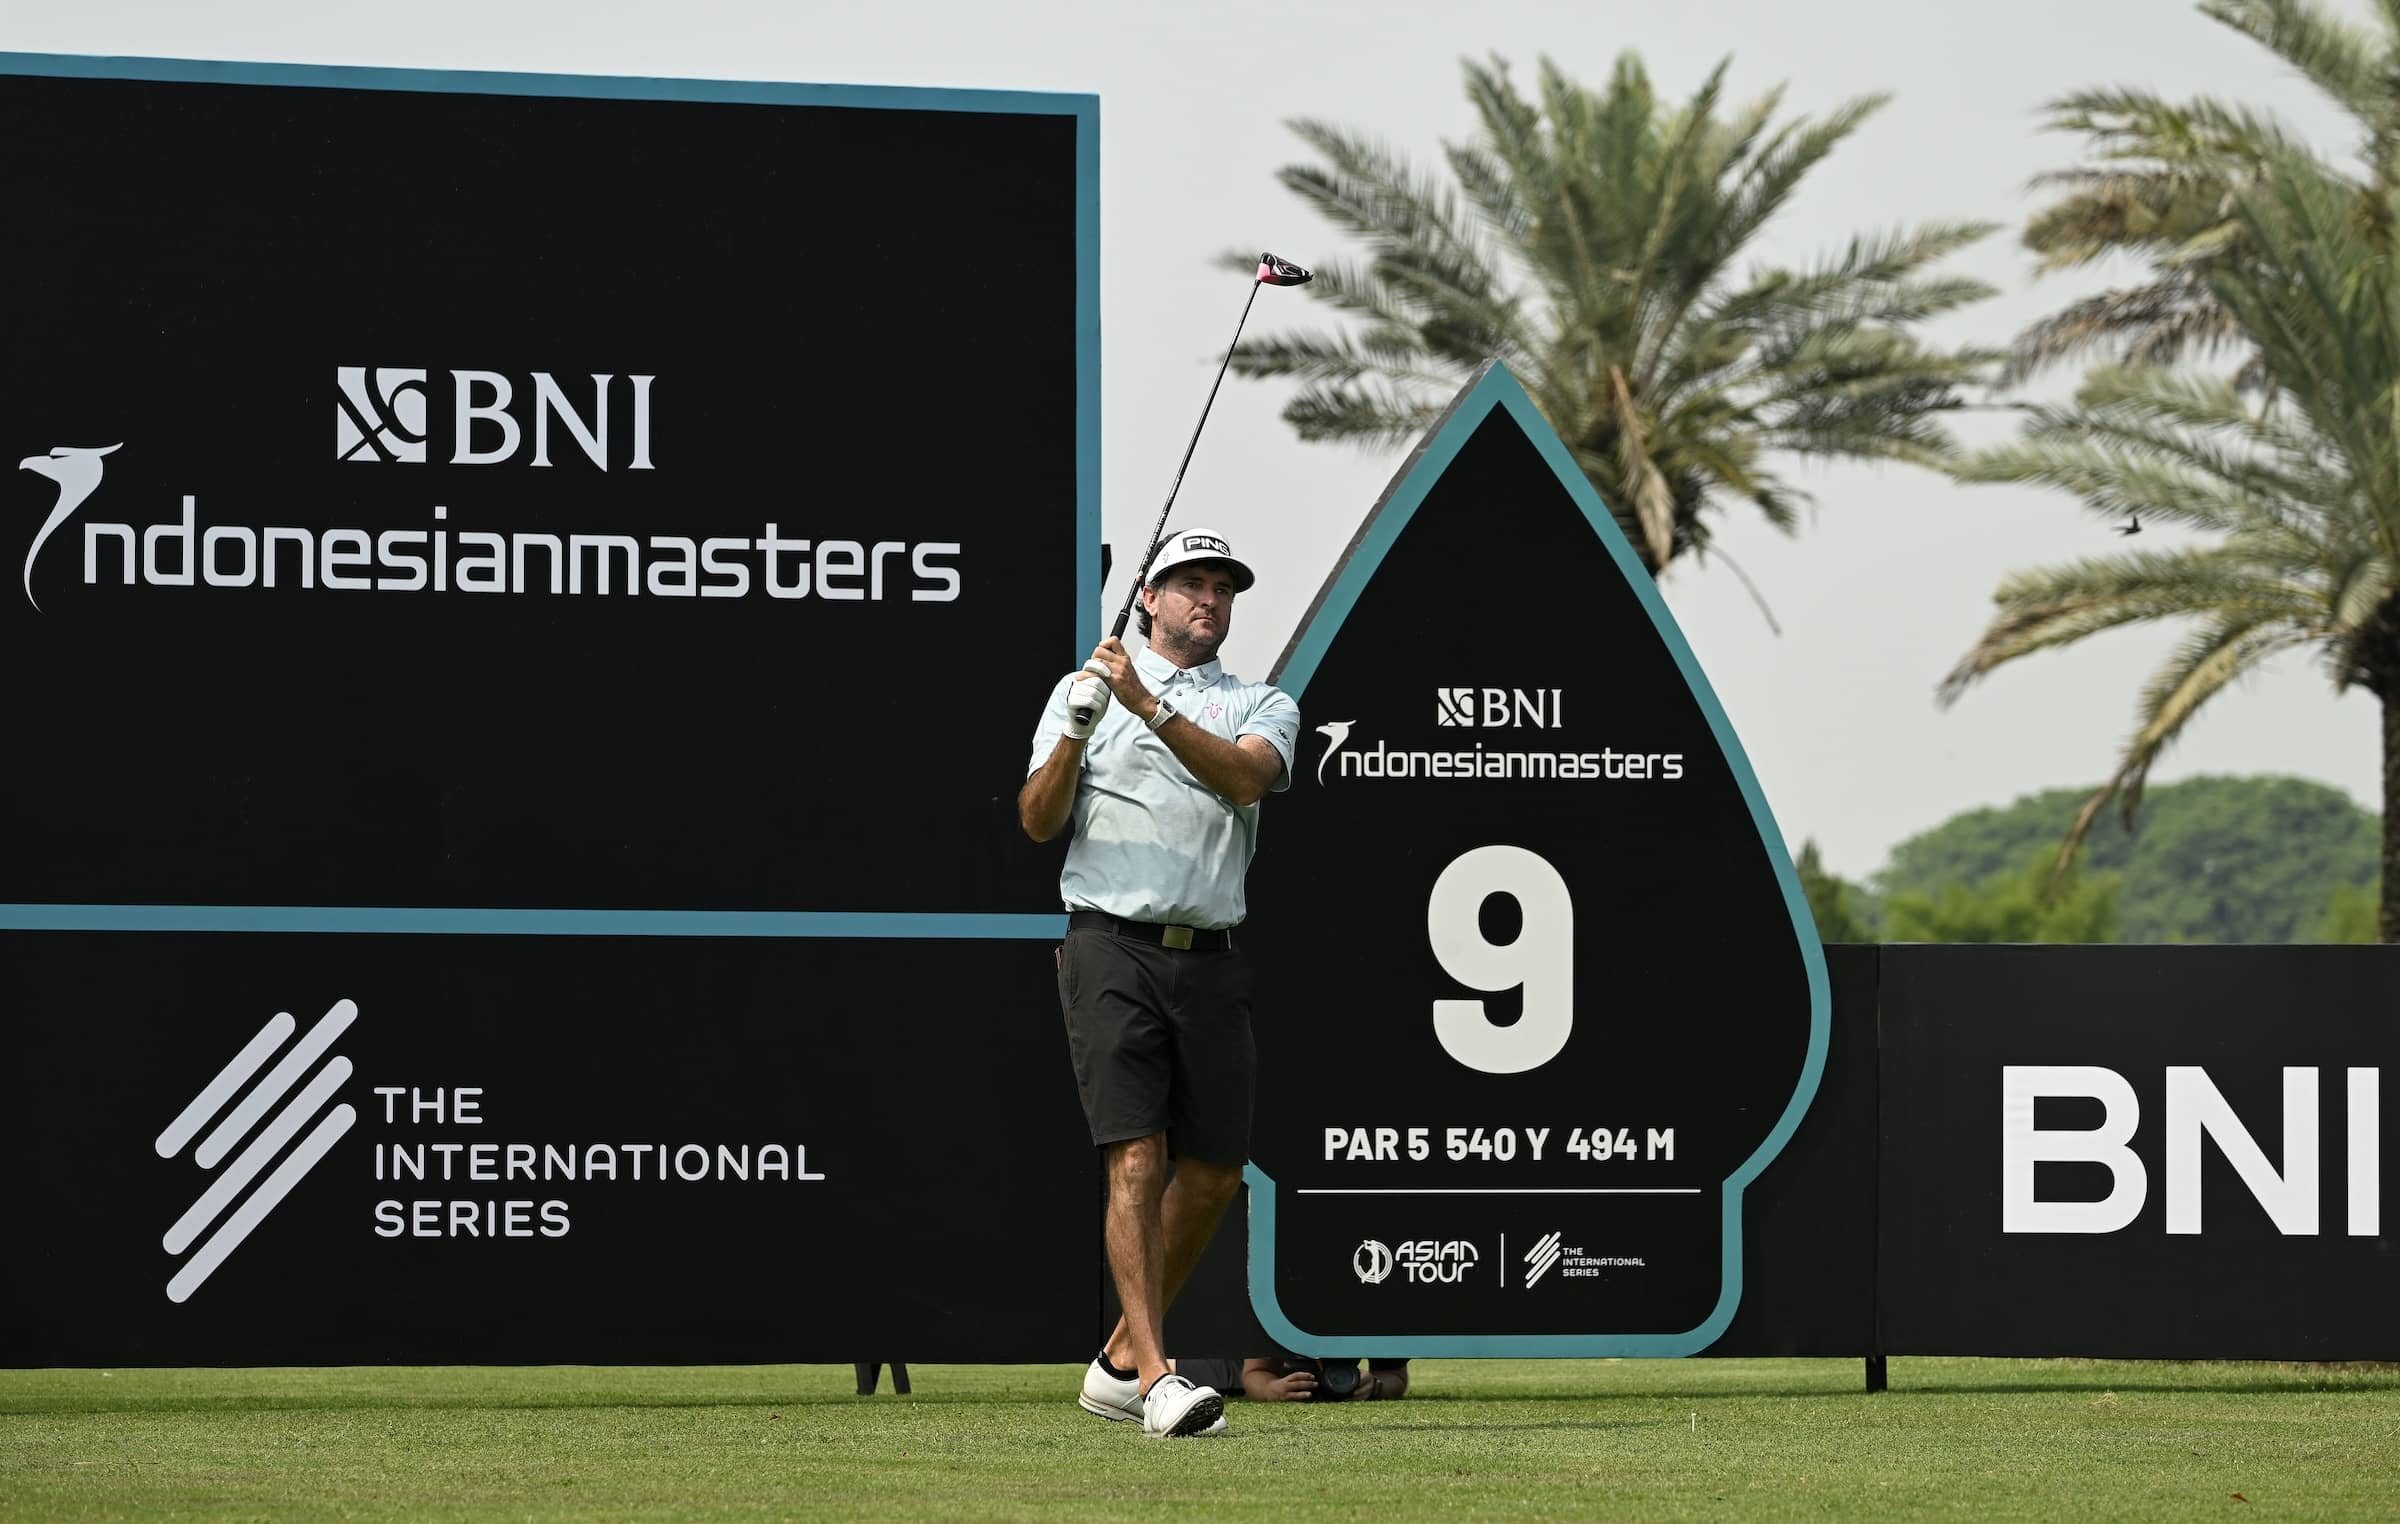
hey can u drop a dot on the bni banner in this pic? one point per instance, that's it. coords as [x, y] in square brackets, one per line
[486, 549]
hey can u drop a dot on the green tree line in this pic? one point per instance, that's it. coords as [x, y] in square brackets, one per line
[2222, 860]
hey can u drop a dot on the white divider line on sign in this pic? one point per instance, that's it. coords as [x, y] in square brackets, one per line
[246, 1166]
[279, 1079]
[262, 1201]
[232, 1077]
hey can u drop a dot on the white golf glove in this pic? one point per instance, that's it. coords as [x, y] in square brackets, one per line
[1087, 700]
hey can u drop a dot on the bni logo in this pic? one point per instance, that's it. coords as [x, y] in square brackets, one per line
[385, 413]
[239, 1124]
[1500, 708]
[379, 414]
[1541, 1257]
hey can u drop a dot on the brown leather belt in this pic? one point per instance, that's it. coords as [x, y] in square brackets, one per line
[1186, 938]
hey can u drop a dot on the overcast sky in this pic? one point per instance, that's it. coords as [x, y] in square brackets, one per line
[1877, 597]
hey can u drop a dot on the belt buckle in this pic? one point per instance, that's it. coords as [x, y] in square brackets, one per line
[1176, 936]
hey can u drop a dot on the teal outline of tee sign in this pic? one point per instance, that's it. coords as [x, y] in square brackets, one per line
[1494, 388]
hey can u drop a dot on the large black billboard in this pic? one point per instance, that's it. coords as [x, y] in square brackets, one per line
[1512, 1088]
[495, 867]
[280, 1149]
[2146, 1152]
[526, 492]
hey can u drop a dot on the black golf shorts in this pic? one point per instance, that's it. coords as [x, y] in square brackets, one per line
[1160, 1039]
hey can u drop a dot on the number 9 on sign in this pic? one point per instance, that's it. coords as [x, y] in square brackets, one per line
[1542, 959]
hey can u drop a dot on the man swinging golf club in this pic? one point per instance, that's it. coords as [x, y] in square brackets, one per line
[1163, 792]
[1159, 758]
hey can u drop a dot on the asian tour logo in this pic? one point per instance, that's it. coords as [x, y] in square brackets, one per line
[1422, 1261]
[240, 1122]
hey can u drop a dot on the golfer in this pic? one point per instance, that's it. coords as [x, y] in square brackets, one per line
[1161, 787]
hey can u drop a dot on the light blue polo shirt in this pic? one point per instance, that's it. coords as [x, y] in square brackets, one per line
[1152, 842]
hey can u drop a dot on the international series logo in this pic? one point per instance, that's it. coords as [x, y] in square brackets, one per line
[271, 1115]
[240, 1123]
[1541, 1257]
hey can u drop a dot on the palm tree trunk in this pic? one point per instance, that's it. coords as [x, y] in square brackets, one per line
[2387, 914]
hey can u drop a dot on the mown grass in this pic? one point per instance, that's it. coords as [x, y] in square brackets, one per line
[1476, 1439]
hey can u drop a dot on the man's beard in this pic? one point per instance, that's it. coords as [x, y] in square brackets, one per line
[1182, 642]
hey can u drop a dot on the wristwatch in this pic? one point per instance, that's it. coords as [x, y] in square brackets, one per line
[1163, 713]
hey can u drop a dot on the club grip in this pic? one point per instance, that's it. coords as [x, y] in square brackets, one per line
[1083, 712]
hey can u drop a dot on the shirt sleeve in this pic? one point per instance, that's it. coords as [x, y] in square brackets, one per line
[1278, 719]
[1053, 725]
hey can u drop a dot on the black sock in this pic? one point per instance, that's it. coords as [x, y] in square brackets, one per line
[1121, 1375]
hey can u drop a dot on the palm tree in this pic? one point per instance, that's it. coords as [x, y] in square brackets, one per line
[2164, 182]
[1589, 241]
[2295, 482]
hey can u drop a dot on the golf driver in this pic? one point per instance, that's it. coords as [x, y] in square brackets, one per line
[1271, 272]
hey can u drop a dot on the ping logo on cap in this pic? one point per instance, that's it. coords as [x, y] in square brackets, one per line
[1192, 542]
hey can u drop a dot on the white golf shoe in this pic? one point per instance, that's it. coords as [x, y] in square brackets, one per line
[1118, 1401]
[1176, 1409]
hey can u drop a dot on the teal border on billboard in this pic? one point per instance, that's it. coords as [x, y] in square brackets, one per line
[1084, 109]
[1495, 389]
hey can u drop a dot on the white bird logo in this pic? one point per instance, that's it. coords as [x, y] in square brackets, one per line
[1335, 733]
[77, 472]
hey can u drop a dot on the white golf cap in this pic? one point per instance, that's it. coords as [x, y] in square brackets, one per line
[1186, 545]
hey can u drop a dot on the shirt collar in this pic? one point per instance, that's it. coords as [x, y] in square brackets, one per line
[1160, 672]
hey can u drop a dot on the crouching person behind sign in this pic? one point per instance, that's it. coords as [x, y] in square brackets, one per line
[1296, 1378]
[1158, 759]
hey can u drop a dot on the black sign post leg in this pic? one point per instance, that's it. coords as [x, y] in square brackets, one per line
[869, 1373]
[1877, 1381]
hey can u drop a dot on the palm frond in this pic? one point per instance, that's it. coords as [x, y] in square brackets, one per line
[2056, 606]
[1367, 413]
[2347, 62]
[1588, 237]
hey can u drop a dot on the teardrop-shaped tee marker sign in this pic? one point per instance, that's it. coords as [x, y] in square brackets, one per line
[1539, 994]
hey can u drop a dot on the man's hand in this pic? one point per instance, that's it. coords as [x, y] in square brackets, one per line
[1109, 659]
[1087, 697]
[1261, 1384]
